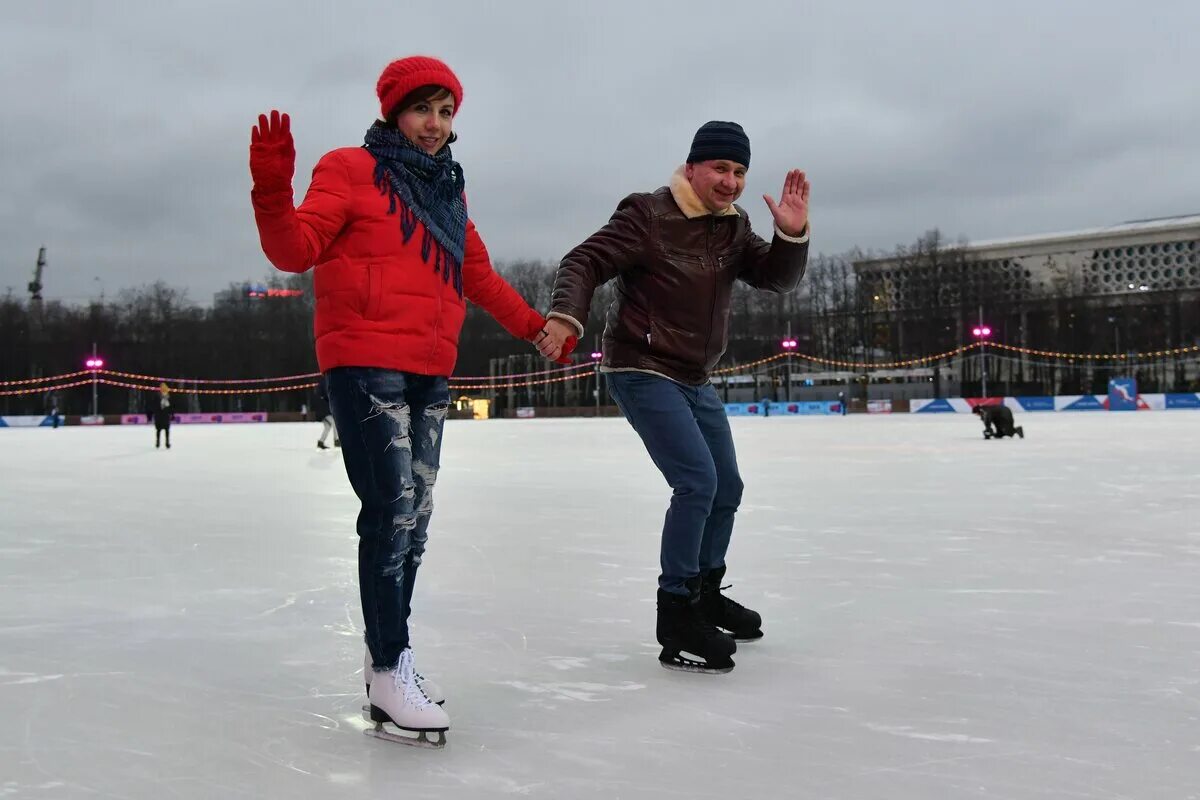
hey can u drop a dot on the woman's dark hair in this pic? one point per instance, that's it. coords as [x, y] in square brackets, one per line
[422, 94]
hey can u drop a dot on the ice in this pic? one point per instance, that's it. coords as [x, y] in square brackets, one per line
[945, 617]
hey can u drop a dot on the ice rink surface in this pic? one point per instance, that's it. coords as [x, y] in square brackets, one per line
[945, 617]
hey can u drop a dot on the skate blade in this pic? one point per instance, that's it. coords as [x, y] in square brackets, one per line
[694, 666]
[747, 637]
[366, 713]
[680, 663]
[419, 739]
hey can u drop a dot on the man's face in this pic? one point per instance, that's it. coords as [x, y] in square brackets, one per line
[717, 183]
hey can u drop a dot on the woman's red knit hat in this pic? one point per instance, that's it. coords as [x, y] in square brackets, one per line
[405, 74]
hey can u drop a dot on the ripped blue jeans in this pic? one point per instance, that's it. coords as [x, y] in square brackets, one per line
[390, 425]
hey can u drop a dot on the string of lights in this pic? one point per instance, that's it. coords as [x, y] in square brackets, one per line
[50, 379]
[1098, 356]
[44, 389]
[508, 376]
[225, 382]
[751, 365]
[307, 375]
[517, 385]
[568, 373]
[154, 388]
[1074, 364]
[887, 364]
[840, 363]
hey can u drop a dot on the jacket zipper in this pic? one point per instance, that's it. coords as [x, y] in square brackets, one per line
[713, 284]
[437, 322]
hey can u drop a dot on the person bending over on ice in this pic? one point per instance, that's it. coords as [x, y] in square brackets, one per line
[997, 422]
[675, 254]
[396, 257]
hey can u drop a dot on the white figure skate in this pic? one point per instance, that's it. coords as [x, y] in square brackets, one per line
[396, 699]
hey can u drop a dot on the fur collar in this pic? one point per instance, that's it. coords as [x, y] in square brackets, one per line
[688, 201]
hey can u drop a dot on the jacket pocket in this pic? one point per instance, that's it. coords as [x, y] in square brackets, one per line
[686, 260]
[374, 291]
[676, 343]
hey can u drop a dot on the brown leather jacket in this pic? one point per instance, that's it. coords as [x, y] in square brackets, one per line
[675, 272]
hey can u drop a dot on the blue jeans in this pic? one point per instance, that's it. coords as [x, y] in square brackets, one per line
[390, 424]
[687, 434]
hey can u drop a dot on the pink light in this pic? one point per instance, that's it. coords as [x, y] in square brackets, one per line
[981, 331]
[94, 363]
[597, 355]
[789, 344]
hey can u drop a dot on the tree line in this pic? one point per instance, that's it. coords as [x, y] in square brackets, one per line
[835, 314]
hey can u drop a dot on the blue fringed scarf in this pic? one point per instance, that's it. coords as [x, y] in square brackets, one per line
[430, 189]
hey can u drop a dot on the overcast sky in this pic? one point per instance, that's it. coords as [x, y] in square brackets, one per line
[126, 124]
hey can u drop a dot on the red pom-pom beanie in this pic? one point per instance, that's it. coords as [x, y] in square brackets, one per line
[405, 74]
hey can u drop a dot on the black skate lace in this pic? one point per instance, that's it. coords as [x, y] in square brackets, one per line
[728, 600]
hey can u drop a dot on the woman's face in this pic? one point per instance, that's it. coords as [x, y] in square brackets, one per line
[427, 123]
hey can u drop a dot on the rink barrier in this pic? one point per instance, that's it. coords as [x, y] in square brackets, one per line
[200, 419]
[1070, 402]
[31, 421]
[806, 408]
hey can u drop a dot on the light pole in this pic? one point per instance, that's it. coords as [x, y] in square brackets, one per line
[981, 333]
[596, 356]
[789, 346]
[95, 363]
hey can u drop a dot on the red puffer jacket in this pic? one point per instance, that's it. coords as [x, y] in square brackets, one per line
[378, 303]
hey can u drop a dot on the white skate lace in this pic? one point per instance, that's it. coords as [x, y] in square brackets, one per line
[406, 679]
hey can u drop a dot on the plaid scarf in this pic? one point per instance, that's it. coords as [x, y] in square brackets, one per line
[430, 189]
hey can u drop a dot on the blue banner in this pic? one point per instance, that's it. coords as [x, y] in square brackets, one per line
[1086, 403]
[938, 406]
[31, 421]
[741, 409]
[782, 409]
[1035, 403]
[810, 407]
[1122, 394]
[1183, 400]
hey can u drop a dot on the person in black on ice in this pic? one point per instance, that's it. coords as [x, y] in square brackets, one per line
[997, 422]
[159, 412]
[325, 414]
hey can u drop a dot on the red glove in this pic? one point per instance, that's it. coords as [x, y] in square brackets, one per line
[568, 348]
[536, 323]
[272, 152]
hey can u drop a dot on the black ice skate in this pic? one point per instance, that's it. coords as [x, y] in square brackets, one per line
[321, 445]
[682, 631]
[740, 622]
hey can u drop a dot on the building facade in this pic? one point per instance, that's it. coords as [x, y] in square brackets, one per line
[1084, 296]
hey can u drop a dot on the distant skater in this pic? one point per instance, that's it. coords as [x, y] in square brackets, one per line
[997, 422]
[159, 412]
[325, 414]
